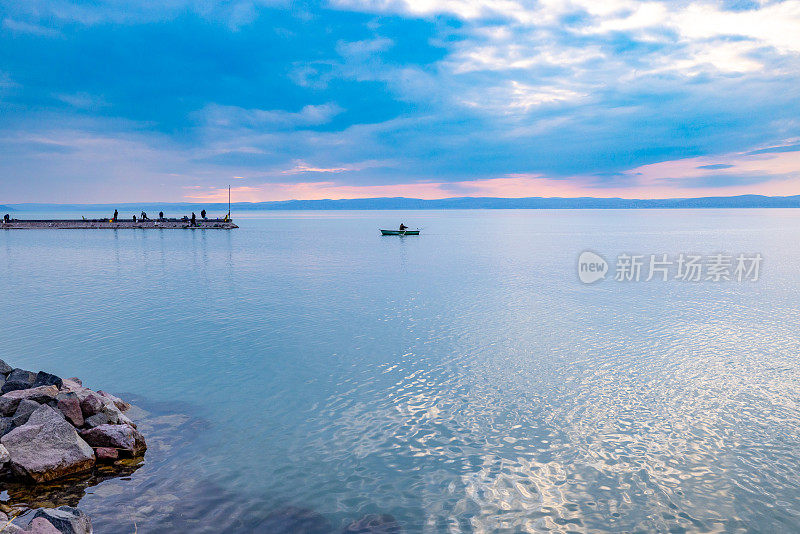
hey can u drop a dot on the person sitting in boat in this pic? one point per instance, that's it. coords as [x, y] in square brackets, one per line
[403, 227]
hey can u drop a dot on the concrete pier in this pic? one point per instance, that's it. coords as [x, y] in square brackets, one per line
[119, 224]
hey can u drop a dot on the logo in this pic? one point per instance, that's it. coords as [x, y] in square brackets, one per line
[591, 267]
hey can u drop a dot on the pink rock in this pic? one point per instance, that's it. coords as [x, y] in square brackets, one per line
[92, 404]
[40, 525]
[70, 406]
[106, 454]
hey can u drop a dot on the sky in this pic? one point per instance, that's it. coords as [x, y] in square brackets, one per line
[126, 101]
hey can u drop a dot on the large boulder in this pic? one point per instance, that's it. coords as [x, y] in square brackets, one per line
[5, 368]
[24, 410]
[47, 447]
[4, 456]
[46, 379]
[18, 379]
[69, 405]
[40, 394]
[66, 519]
[122, 437]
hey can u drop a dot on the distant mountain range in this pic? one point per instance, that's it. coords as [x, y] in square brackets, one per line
[401, 203]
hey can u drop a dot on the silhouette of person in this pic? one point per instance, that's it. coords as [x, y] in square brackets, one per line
[403, 227]
[160, 214]
[116, 214]
[194, 219]
[203, 214]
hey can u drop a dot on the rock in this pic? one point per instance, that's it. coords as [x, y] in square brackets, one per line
[6, 425]
[106, 454]
[46, 379]
[4, 456]
[292, 520]
[122, 437]
[47, 447]
[96, 420]
[66, 519]
[5, 369]
[18, 379]
[108, 415]
[374, 524]
[41, 394]
[119, 403]
[70, 406]
[24, 410]
[40, 525]
[91, 404]
[8, 406]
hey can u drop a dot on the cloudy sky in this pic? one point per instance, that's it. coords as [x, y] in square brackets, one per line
[114, 100]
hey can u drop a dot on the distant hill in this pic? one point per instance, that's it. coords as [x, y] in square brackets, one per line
[401, 203]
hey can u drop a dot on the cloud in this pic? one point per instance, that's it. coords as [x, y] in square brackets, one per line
[436, 97]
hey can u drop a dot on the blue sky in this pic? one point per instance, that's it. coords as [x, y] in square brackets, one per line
[112, 101]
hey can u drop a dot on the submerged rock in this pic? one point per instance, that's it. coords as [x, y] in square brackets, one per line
[66, 519]
[374, 524]
[293, 520]
[47, 447]
[122, 437]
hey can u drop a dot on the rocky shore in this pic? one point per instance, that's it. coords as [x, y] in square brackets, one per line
[51, 428]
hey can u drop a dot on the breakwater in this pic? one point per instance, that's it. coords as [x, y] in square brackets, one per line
[119, 224]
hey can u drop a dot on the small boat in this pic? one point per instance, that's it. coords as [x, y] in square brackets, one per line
[399, 232]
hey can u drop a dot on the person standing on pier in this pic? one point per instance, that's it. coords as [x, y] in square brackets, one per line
[116, 214]
[203, 214]
[161, 215]
[194, 219]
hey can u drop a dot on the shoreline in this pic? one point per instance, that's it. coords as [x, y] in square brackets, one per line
[54, 430]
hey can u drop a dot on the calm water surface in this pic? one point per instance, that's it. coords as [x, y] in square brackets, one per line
[462, 381]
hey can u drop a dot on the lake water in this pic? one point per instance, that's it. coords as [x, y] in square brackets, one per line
[461, 381]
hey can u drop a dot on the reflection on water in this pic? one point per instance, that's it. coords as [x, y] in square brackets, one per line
[305, 369]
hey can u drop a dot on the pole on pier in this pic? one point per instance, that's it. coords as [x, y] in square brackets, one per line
[229, 201]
